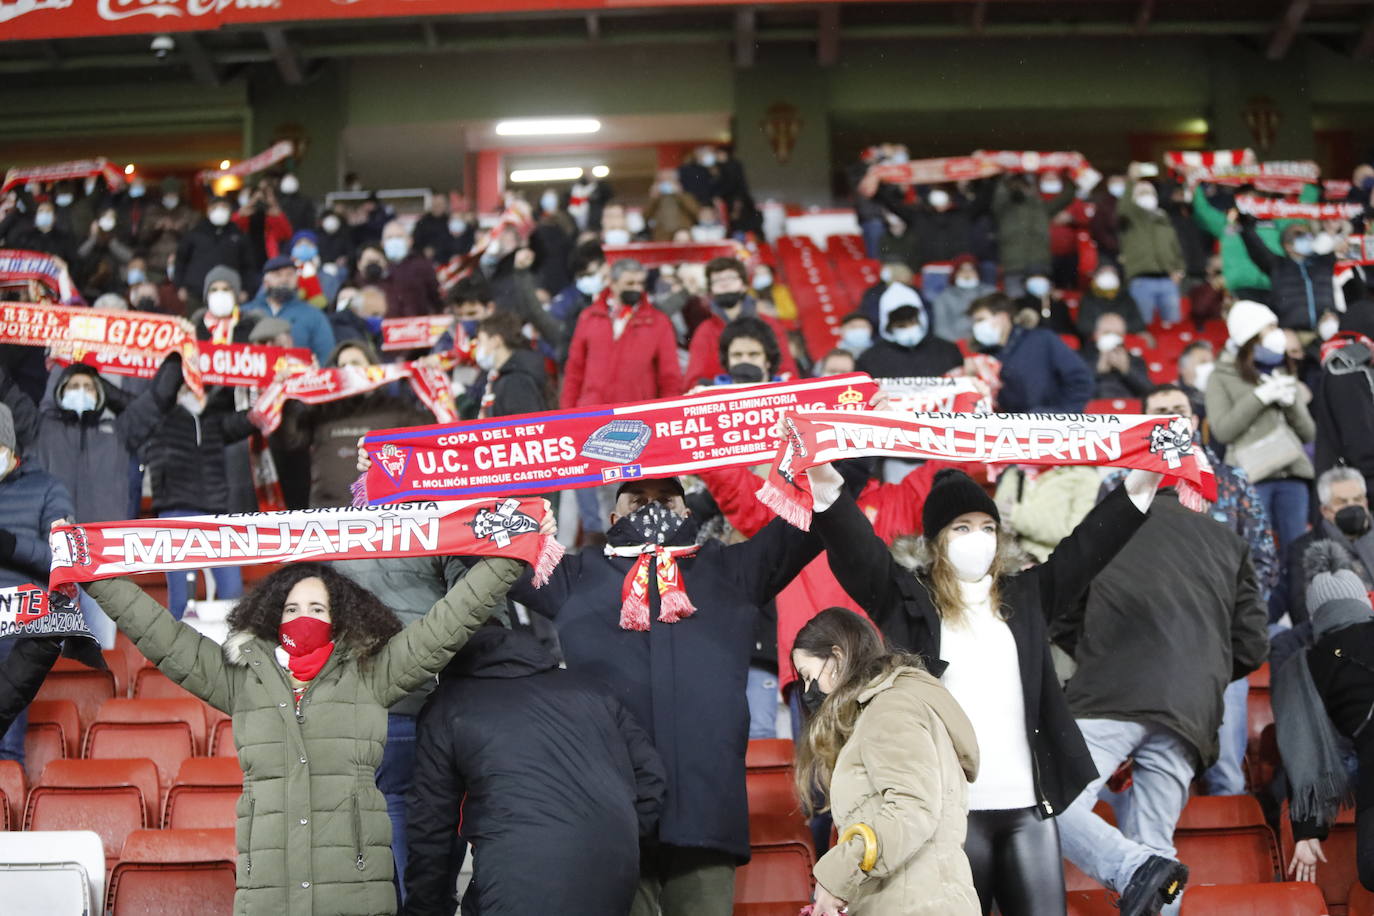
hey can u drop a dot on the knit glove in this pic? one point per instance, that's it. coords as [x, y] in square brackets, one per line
[8, 543]
[826, 484]
[1288, 390]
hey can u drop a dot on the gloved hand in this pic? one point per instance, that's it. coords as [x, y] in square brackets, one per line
[1288, 390]
[1269, 390]
[8, 542]
[1141, 487]
[826, 483]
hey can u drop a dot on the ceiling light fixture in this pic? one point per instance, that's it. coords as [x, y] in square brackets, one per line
[535, 127]
[223, 164]
[129, 169]
[525, 176]
[600, 171]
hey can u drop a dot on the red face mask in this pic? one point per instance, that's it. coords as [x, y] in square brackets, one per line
[307, 642]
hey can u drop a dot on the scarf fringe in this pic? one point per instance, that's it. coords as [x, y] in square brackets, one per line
[634, 614]
[675, 606]
[550, 555]
[1191, 497]
[785, 505]
[359, 491]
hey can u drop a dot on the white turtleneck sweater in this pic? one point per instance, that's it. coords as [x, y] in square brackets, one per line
[984, 675]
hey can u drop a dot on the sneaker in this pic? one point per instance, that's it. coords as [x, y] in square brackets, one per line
[1157, 882]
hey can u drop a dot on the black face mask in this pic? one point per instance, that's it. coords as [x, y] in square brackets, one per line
[145, 304]
[813, 697]
[281, 294]
[630, 297]
[745, 373]
[727, 301]
[1353, 521]
[653, 524]
[373, 271]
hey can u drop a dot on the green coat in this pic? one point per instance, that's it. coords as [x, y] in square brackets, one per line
[1236, 417]
[1241, 272]
[313, 832]
[1149, 244]
[1023, 227]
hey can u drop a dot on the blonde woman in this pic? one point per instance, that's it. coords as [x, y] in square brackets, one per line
[892, 754]
[961, 598]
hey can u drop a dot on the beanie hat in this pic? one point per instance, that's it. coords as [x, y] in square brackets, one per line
[225, 274]
[952, 494]
[1336, 596]
[7, 429]
[1246, 319]
[306, 234]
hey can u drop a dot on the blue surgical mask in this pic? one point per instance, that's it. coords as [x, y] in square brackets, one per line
[485, 360]
[469, 326]
[135, 276]
[304, 251]
[78, 401]
[374, 323]
[987, 333]
[856, 340]
[909, 336]
[1267, 357]
[395, 248]
[1302, 245]
[137, 190]
[1038, 286]
[666, 187]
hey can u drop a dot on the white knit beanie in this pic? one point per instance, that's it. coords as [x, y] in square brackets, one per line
[1246, 319]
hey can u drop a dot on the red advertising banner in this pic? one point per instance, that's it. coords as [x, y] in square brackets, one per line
[38, 19]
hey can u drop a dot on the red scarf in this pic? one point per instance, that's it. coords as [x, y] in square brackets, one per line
[222, 329]
[307, 644]
[673, 603]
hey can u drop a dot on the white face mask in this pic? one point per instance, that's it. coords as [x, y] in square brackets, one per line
[1328, 327]
[457, 226]
[245, 198]
[221, 303]
[290, 184]
[885, 275]
[43, 219]
[634, 221]
[548, 201]
[589, 285]
[939, 199]
[1051, 187]
[1108, 342]
[78, 400]
[219, 216]
[708, 233]
[1146, 201]
[330, 224]
[987, 333]
[396, 247]
[1201, 374]
[485, 359]
[1107, 281]
[106, 223]
[63, 200]
[1038, 286]
[972, 554]
[966, 282]
[1116, 188]
[616, 236]
[189, 401]
[1275, 341]
[170, 201]
[1323, 243]
[762, 279]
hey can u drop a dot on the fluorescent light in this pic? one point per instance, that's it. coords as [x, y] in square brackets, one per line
[600, 171]
[533, 127]
[223, 164]
[525, 176]
[129, 169]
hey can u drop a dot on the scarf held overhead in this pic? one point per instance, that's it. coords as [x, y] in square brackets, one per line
[19, 266]
[479, 527]
[598, 445]
[1152, 443]
[321, 386]
[71, 332]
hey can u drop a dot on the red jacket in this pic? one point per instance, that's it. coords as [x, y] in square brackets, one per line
[276, 231]
[703, 355]
[640, 366]
[894, 509]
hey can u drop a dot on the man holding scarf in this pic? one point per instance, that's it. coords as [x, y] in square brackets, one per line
[728, 283]
[668, 625]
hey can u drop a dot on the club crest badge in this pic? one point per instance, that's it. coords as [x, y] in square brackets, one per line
[504, 523]
[393, 458]
[1172, 441]
[795, 447]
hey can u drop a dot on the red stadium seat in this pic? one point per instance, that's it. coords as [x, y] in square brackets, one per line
[205, 794]
[1361, 902]
[1112, 405]
[119, 666]
[777, 875]
[13, 790]
[768, 778]
[1261, 753]
[1071, 341]
[1338, 876]
[769, 753]
[1101, 902]
[1270, 899]
[222, 739]
[111, 797]
[174, 873]
[1259, 678]
[152, 684]
[165, 731]
[86, 687]
[1223, 839]
[54, 731]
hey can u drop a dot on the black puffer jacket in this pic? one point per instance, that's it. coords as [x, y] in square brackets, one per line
[1302, 289]
[185, 456]
[207, 246]
[900, 603]
[541, 766]
[22, 673]
[519, 386]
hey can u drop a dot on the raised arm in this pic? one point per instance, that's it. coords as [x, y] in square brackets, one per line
[194, 661]
[142, 415]
[859, 559]
[419, 652]
[768, 561]
[1259, 252]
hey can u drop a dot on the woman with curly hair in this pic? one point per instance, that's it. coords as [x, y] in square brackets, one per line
[893, 754]
[310, 666]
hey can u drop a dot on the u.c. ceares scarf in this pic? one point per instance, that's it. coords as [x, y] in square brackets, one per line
[1151, 443]
[497, 527]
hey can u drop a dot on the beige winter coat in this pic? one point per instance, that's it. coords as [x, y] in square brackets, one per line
[905, 772]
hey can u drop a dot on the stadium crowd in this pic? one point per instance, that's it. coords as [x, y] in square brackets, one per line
[1050, 636]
